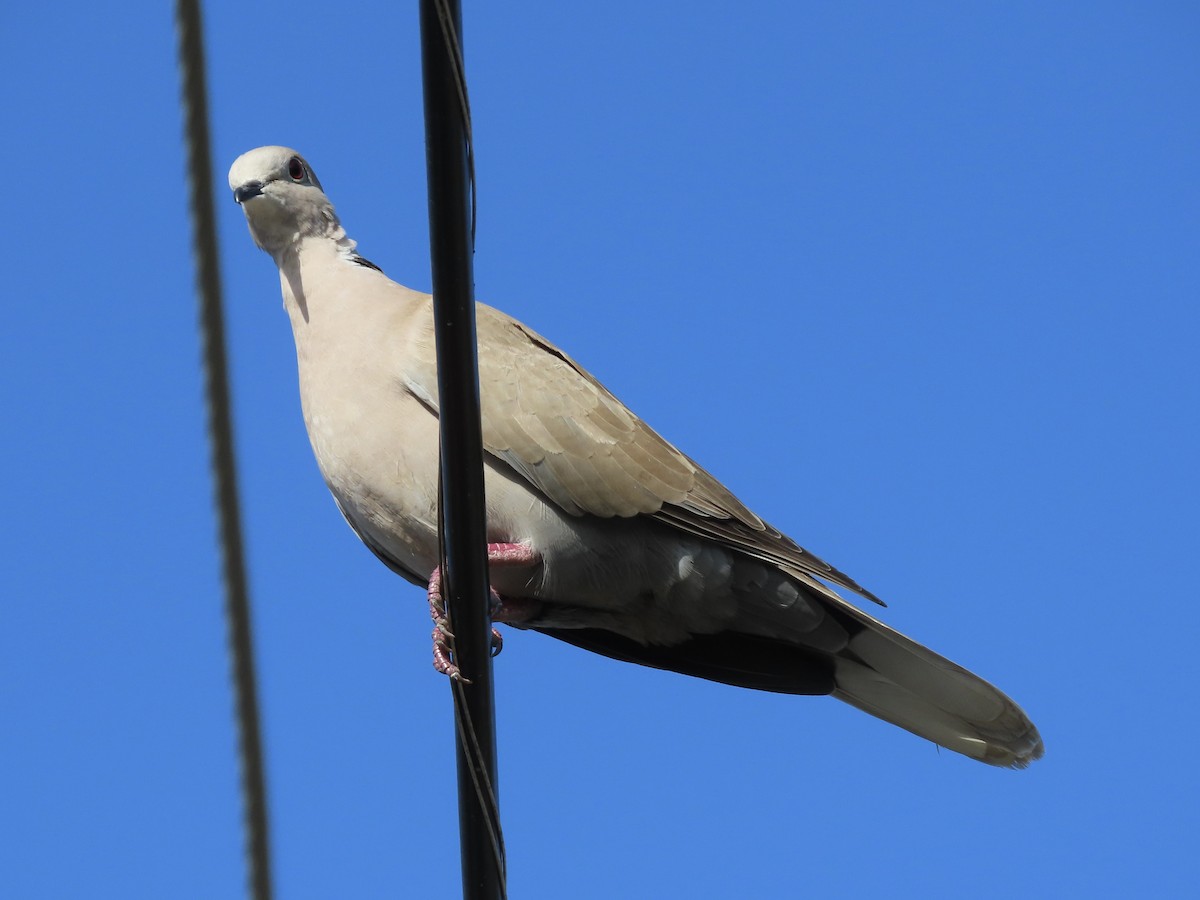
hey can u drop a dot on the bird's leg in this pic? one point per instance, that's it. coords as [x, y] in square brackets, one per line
[512, 610]
[442, 635]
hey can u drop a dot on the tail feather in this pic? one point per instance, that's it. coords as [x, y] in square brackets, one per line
[873, 693]
[886, 674]
[852, 656]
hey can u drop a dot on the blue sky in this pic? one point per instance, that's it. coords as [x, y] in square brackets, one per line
[918, 281]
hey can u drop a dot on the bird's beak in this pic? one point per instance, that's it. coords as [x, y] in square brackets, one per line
[247, 191]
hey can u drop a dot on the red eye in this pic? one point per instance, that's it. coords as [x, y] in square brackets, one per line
[296, 168]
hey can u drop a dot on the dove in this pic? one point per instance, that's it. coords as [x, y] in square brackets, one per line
[601, 533]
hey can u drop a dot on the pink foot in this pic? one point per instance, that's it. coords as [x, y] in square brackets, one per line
[512, 610]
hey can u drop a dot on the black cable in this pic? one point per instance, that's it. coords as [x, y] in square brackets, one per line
[449, 163]
[220, 431]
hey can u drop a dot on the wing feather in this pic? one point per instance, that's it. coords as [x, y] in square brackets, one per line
[555, 424]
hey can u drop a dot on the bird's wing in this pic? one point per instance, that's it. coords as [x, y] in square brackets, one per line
[545, 416]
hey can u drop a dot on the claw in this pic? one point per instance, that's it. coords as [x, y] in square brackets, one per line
[441, 659]
[502, 610]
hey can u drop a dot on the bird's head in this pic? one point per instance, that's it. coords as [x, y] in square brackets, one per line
[282, 199]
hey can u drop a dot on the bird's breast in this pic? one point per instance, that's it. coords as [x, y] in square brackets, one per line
[375, 443]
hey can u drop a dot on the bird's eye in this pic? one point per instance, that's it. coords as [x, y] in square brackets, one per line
[296, 168]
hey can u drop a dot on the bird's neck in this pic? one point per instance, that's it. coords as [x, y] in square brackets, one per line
[305, 262]
[298, 262]
[320, 226]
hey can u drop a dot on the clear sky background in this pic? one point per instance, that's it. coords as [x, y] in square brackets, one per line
[918, 281]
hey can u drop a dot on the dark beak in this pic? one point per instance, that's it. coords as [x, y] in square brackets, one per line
[247, 191]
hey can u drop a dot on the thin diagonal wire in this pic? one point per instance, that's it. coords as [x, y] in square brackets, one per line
[220, 430]
[484, 790]
[464, 725]
[450, 163]
[454, 51]
[468, 737]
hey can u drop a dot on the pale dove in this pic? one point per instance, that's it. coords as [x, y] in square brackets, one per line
[614, 540]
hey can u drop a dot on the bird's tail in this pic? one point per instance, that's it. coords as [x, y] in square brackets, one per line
[844, 652]
[886, 674]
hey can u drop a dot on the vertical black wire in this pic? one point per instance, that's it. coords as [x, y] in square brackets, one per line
[220, 430]
[464, 563]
